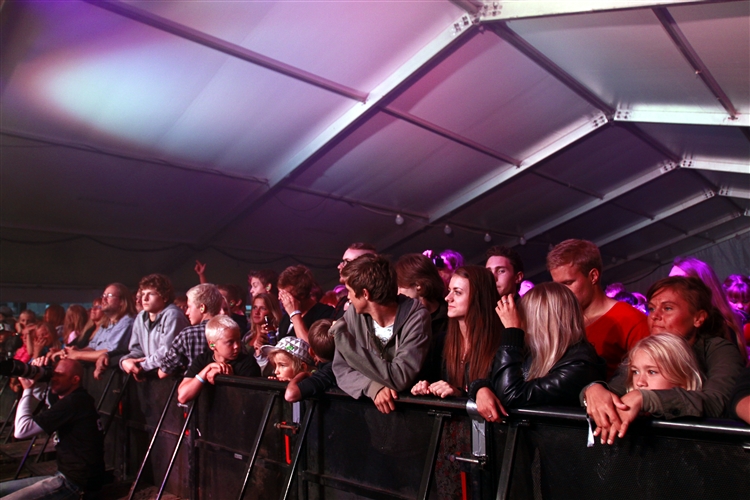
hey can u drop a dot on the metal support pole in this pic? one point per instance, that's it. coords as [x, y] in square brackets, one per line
[11, 414]
[503, 486]
[117, 404]
[429, 464]
[6, 383]
[176, 450]
[298, 448]
[106, 388]
[256, 444]
[153, 440]
[25, 456]
[44, 447]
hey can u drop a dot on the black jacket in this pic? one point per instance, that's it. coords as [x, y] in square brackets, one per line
[579, 366]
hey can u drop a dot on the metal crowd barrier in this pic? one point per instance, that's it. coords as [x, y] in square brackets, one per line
[242, 440]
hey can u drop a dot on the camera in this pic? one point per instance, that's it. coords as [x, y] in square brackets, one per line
[15, 368]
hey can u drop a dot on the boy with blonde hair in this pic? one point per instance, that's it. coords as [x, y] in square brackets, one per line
[224, 357]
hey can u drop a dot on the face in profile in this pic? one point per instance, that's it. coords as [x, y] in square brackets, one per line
[646, 373]
[193, 312]
[283, 367]
[227, 346]
[580, 284]
[256, 287]
[458, 297]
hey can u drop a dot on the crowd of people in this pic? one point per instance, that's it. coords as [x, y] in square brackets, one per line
[431, 326]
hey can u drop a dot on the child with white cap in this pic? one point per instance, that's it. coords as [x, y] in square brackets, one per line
[289, 357]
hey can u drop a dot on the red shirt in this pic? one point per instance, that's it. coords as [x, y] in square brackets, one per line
[616, 332]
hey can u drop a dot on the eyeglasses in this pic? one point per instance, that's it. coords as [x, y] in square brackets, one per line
[344, 262]
[110, 296]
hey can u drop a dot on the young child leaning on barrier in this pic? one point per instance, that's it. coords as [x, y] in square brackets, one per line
[224, 357]
[289, 357]
[322, 347]
[662, 361]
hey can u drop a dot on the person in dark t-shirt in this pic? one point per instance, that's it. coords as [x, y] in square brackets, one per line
[224, 357]
[80, 450]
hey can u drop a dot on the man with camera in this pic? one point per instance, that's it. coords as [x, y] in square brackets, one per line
[80, 447]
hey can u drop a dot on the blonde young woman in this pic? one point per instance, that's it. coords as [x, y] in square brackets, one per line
[544, 357]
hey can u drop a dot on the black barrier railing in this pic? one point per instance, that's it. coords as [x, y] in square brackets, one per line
[242, 440]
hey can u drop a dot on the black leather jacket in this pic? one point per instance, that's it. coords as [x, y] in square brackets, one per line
[579, 366]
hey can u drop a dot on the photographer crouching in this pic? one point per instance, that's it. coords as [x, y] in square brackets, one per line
[72, 414]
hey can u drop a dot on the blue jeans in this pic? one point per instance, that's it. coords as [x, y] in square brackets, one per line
[56, 487]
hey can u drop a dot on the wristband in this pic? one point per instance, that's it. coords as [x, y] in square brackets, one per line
[200, 379]
[294, 313]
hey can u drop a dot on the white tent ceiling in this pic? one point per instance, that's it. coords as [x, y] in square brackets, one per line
[138, 136]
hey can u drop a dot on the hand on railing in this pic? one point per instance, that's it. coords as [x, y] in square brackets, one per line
[102, 363]
[605, 407]
[384, 400]
[489, 406]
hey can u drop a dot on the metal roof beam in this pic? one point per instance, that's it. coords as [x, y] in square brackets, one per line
[505, 10]
[687, 50]
[502, 175]
[732, 192]
[198, 169]
[716, 165]
[615, 193]
[231, 49]
[687, 116]
[494, 179]
[525, 48]
[662, 215]
[452, 136]
[677, 239]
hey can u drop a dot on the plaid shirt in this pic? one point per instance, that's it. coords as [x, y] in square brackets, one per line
[188, 345]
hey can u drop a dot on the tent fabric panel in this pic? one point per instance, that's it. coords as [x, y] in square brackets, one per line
[650, 72]
[720, 34]
[76, 191]
[393, 163]
[358, 44]
[488, 92]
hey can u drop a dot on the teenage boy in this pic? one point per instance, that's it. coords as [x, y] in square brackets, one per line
[203, 303]
[612, 327]
[352, 252]
[154, 328]
[387, 336]
[506, 266]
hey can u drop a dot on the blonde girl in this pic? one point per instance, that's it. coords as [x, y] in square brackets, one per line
[662, 361]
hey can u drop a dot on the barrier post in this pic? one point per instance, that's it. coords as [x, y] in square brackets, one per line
[503, 486]
[176, 449]
[153, 439]
[429, 464]
[297, 448]
[11, 415]
[256, 444]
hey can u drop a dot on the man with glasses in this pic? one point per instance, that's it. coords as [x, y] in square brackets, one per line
[113, 337]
